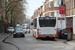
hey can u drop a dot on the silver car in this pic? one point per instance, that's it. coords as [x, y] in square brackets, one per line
[10, 29]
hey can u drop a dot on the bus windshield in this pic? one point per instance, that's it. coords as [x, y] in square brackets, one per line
[47, 23]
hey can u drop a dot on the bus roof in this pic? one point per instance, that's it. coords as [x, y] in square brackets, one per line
[42, 16]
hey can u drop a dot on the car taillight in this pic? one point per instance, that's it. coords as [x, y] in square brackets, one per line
[57, 32]
[61, 33]
[37, 31]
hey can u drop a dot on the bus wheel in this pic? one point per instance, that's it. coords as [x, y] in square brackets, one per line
[36, 37]
[53, 38]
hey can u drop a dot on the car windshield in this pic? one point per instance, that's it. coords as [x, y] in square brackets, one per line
[19, 30]
[17, 27]
[10, 28]
[64, 30]
[24, 28]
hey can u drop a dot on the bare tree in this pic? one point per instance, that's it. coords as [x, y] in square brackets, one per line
[15, 10]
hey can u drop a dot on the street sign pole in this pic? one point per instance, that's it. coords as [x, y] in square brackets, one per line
[61, 21]
[6, 22]
[62, 12]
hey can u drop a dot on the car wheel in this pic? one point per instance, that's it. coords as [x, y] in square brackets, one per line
[23, 35]
[13, 36]
[36, 37]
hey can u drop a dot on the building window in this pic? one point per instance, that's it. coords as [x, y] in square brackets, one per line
[59, 2]
[74, 3]
[56, 14]
[43, 8]
[56, 3]
[50, 14]
[49, 4]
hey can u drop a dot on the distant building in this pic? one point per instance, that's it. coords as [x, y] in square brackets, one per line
[70, 14]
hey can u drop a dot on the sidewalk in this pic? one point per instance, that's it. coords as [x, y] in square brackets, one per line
[4, 46]
[72, 42]
[2, 36]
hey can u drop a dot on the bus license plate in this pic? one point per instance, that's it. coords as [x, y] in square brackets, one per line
[46, 35]
[39, 32]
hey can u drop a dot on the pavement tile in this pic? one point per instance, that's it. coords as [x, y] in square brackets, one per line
[2, 36]
[72, 42]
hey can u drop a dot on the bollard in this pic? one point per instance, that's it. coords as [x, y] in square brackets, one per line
[69, 36]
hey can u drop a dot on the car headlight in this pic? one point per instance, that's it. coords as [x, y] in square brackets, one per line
[14, 33]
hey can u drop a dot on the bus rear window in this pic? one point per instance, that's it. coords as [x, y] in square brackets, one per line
[47, 23]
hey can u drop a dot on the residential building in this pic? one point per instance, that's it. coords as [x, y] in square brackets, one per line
[70, 14]
[51, 8]
[38, 12]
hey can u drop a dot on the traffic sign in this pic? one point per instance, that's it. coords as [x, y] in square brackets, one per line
[62, 9]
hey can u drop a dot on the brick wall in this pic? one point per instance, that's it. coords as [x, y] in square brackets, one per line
[70, 7]
[52, 13]
[46, 0]
[52, 4]
[49, 8]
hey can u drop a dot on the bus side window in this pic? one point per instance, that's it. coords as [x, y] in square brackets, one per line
[35, 23]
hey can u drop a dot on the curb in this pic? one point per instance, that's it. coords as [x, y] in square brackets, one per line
[5, 37]
[70, 44]
[4, 41]
[67, 42]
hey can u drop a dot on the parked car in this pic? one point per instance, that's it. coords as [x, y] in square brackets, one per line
[62, 33]
[10, 29]
[17, 27]
[28, 30]
[24, 29]
[19, 33]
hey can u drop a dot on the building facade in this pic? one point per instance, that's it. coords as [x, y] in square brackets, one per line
[70, 14]
[51, 8]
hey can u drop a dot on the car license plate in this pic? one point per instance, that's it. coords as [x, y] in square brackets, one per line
[65, 33]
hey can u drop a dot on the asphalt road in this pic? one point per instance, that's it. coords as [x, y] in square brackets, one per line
[30, 43]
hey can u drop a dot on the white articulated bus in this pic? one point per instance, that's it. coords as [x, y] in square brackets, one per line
[45, 27]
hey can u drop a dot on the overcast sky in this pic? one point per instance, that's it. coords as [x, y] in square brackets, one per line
[33, 5]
